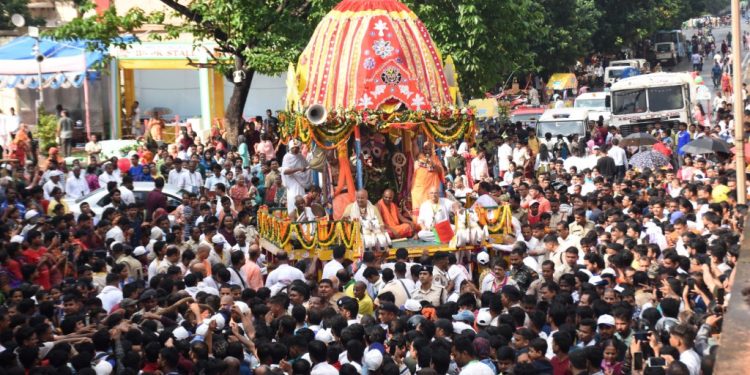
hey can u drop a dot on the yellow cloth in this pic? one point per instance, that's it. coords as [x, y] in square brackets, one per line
[53, 204]
[366, 306]
[719, 193]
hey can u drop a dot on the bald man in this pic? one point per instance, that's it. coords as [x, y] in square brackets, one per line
[374, 234]
[397, 225]
[434, 210]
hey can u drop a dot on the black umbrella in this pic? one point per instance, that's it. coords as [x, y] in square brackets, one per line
[638, 139]
[706, 145]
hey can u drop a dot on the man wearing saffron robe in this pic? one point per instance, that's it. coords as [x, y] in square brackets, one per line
[395, 223]
[374, 234]
[428, 175]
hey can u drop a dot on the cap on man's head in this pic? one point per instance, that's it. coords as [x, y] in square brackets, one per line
[218, 239]
[147, 295]
[412, 305]
[464, 316]
[483, 258]
[139, 251]
[426, 268]
[31, 214]
[606, 319]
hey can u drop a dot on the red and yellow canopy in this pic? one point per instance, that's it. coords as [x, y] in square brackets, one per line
[372, 55]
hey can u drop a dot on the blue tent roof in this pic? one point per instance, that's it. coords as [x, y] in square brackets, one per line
[20, 50]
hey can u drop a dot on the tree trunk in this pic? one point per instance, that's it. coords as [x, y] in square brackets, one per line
[233, 114]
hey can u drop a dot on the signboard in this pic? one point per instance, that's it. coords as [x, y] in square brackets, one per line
[158, 51]
[485, 108]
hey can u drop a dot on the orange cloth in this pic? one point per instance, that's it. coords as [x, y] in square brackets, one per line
[396, 229]
[424, 181]
[341, 198]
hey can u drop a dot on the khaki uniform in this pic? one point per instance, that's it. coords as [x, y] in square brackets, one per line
[436, 295]
[580, 230]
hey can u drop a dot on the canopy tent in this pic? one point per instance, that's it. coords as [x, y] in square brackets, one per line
[65, 65]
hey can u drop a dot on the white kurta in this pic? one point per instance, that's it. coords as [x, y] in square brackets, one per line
[371, 222]
[431, 213]
[295, 183]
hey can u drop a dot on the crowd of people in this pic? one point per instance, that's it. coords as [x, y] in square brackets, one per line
[608, 269]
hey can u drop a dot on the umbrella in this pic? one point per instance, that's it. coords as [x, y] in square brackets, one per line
[649, 159]
[706, 145]
[159, 110]
[638, 139]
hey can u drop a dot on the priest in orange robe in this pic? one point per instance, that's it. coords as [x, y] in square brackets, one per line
[428, 175]
[395, 223]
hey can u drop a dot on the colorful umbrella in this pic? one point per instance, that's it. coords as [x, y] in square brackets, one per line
[638, 139]
[649, 159]
[706, 145]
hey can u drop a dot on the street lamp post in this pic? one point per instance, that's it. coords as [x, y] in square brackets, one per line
[739, 121]
[34, 33]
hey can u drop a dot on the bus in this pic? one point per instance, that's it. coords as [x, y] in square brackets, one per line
[673, 36]
[646, 99]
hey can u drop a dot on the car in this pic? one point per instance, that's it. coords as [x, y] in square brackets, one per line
[99, 198]
[596, 103]
[526, 115]
[563, 121]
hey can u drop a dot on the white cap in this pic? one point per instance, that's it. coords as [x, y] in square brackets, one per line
[217, 239]
[16, 239]
[606, 319]
[597, 281]
[180, 333]
[202, 329]
[413, 305]
[243, 306]
[293, 143]
[219, 319]
[324, 335]
[484, 317]
[103, 368]
[609, 271]
[56, 173]
[30, 214]
[483, 258]
[373, 359]
[140, 250]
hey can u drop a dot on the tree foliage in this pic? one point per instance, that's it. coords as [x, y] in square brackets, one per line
[10, 7]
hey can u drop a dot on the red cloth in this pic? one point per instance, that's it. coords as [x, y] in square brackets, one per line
[663, 149]
[560, 366]
[32, 257]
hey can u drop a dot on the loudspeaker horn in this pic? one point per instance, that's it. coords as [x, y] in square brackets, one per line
[316, 114]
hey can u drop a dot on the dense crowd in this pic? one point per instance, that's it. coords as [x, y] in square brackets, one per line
[608, 269]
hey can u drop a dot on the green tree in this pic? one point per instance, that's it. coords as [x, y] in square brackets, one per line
[252, 36]
[566, 34]
[487, 39]
[10, 7]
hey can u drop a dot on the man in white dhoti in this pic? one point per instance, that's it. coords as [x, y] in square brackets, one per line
[373, 230]
[295, 174]
[433, 211]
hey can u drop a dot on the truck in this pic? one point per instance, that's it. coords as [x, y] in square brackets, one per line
[613, 74]
[596, 103]
[563, 121]
[673, 36]
[639, 64]
[666, 53]
[638, 101]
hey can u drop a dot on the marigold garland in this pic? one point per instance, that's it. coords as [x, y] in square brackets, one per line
[280, 231]
[501, 220]
[442, 125]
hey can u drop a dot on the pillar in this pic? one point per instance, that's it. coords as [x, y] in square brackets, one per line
[205, 93]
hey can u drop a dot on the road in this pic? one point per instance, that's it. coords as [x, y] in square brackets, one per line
[719, 35]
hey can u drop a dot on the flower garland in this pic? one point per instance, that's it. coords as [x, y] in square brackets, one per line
[280, 231]
[498, 220]
[443, 125]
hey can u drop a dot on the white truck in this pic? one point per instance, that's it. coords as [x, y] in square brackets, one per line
[563, 121]
[639, 64]
[646, 99]
[666, 53]
[596, 103]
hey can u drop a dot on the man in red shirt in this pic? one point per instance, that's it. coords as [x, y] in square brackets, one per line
[155, 199]
[536, 195]
[561, 343]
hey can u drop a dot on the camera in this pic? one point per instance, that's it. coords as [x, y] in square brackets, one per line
[656, 362]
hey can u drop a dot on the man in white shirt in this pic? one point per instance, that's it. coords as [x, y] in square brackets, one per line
[620, 156]
[479, 168]
[283, 275]
[433, 211]
[54, 181]
[334, 265]
[108, 175]
[76, 185]
[179, 177]
[215, 179]
[504, 153]
[126, 190]
[682, 337]
[110, 295]
[195, 180]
